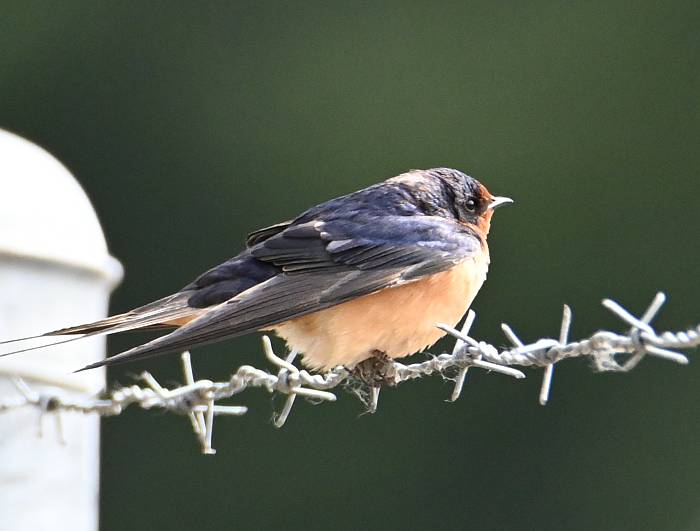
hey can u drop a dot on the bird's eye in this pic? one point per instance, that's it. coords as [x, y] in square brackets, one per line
[470, 205]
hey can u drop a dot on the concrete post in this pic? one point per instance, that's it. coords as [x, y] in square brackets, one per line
[55, 270]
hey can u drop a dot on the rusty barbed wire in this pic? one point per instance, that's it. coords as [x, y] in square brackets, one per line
[197, 399]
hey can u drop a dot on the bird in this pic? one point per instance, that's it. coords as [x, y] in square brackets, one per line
[363, 276]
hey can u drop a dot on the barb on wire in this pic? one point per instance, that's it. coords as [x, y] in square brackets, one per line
[198, 399]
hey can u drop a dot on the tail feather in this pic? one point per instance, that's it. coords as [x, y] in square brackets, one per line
[18, 339]
[127, 356]
[96, 326]
[174, 341]
[156, 314]
[168, 312]
[37, 347]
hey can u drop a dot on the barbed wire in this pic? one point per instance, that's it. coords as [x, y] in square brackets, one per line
[198, 399]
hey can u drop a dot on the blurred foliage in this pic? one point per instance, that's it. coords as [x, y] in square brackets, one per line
[191, 123]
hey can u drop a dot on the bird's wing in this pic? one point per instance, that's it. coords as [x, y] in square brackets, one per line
[323, 263]
[260, 235]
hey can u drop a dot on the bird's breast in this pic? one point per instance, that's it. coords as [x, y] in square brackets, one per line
[396, 321]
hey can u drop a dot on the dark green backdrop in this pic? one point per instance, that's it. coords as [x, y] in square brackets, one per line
[192, 123]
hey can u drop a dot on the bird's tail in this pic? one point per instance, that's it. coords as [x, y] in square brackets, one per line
[168, 312]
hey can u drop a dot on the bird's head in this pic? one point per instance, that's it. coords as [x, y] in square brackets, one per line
[453, 195]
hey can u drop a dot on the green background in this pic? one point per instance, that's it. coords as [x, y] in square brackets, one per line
[190, 124]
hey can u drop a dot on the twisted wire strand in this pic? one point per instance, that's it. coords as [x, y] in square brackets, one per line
[198, 399]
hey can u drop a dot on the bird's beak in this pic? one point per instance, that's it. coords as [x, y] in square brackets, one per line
[498, 201]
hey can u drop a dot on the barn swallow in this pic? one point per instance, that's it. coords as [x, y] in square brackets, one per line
[363, 275]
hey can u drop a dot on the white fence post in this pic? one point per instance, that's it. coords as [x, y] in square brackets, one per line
[55, 270]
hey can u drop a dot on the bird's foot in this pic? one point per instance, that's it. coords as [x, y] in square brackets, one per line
[376, 371]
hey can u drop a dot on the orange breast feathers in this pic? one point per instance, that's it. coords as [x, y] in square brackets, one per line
[396, 321]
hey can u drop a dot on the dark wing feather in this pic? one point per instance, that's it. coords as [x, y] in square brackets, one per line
[323, 264]
[227, 280]
[261, 235]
